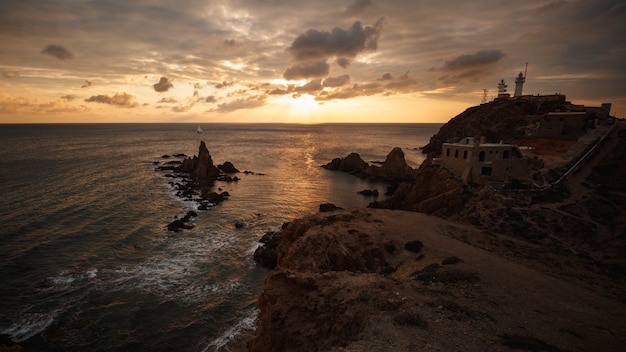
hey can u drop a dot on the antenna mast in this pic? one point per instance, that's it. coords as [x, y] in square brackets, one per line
[525, 70]
[484, 100]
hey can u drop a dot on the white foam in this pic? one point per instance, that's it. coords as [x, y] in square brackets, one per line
[247, 322]
[28, 325]
[66, 279]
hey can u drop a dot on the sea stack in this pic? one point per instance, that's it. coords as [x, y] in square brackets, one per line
[200, 167]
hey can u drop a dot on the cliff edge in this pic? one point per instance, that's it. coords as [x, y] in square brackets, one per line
[384, 280]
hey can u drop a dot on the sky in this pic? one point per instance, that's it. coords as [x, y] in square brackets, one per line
[300, 61]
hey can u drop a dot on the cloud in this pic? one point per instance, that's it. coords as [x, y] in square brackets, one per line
[317, 45]
[358, 7]
[224, 84]
[231, 44]
[243, 103]
[163, 85]
[305, 70]
[57, 51]
[210, 99]
[337, 81]
[472, 61]
[87, 84]
[119, 99]
[10, 75]
[168, 100]
[69, 97]
[22, 105]
[312, 86]
[343, 62]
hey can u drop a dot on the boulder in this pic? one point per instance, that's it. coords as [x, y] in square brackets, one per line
[394, 168]
[326, 207]
[228, 168]
[351, 164]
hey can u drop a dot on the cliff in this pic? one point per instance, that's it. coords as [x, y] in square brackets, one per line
[384, 280]
[494, 270]
[501, 120]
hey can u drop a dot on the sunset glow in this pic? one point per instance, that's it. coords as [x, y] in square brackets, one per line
[323, 61]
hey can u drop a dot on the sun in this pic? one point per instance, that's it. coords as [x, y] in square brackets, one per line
[304, 106]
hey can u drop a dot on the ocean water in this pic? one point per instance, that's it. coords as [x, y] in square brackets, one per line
[86, 263]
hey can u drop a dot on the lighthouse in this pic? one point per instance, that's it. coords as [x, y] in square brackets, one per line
[502, 94]
[519, 83]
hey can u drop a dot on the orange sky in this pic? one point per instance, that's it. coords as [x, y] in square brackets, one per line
[299, 61]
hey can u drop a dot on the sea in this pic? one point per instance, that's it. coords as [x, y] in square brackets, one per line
[86, 261]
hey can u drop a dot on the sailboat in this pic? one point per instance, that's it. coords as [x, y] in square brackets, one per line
[199, 130]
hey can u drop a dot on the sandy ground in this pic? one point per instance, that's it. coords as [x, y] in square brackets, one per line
[508, 298]
[463, 291]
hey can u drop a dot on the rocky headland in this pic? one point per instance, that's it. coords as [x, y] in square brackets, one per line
[444, 265]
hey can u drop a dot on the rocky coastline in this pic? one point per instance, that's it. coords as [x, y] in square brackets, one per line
[194, 180]
[443, 265]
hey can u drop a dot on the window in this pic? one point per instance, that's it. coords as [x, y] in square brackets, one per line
[481, 156]
[456, 153]
[505, 154]
[448, 152]
[486, 171]
[465, 154]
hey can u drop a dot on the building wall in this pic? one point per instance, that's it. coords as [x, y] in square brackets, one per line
[485, 163]
[555, 124]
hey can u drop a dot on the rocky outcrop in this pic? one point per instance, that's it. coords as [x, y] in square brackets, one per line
[200, 167]
[196, 178]
[352, 164]
[435, 191]
[228, 168]
[394, 168]
[505, 120]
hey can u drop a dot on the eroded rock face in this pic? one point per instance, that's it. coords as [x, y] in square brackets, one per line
[435, 191]
[352, 164]
[201, 167]
[394, 168]
[305, 305]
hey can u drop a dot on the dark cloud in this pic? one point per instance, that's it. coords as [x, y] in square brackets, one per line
[163, 85]
[87, 84]
[119, 99]
[358, 7]
[337, 81]
[356, 90]
[210, 99]
[279, 91]
[224, 84]
[231, 44]
[244, 103]
[313, 86]
[343, 62]
[168, 100]
[305, 70]
[57, 51]
[317, 45]
[472, 61]
[69, 97]
[387, 76]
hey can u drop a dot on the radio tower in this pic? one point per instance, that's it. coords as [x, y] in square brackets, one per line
[519, 82]
[484, 100]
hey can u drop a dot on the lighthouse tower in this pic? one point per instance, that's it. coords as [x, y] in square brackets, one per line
[502, 94]
[519, 82]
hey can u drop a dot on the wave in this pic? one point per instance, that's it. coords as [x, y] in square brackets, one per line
[245, 323]
[29, 325]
